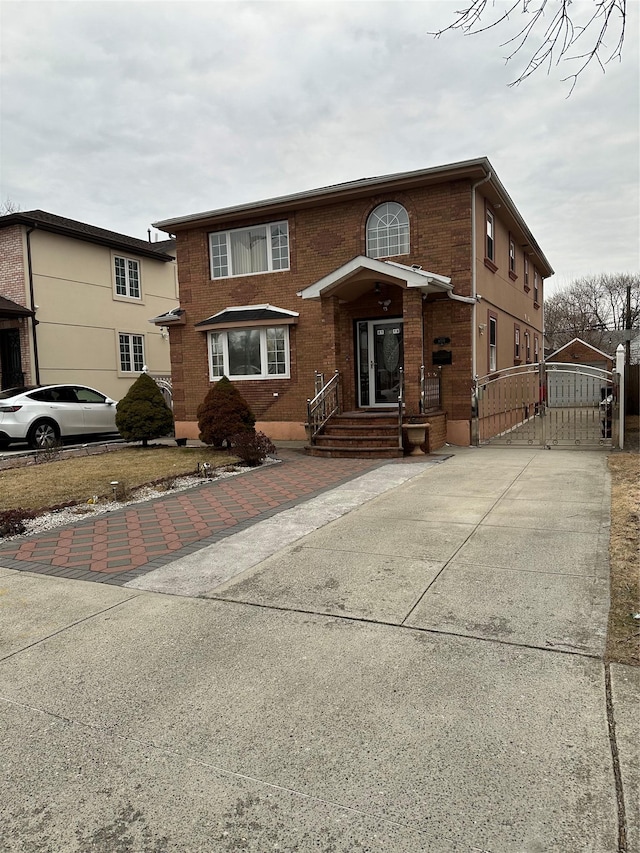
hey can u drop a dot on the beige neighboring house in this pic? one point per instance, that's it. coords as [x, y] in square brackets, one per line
[76, 301]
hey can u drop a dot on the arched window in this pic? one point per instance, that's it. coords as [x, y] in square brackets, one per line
[388, 231]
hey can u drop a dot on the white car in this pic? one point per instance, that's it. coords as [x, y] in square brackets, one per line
[46, 414]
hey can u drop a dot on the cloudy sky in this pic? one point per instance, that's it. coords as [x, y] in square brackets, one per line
[120, 114]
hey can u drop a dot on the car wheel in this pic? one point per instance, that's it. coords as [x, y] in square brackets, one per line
[43, 434]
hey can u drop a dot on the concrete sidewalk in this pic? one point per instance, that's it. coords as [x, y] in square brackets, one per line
[419, 668]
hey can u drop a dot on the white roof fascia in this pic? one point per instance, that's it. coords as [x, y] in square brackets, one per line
[255, 308]
[581, 341]
[412, 277]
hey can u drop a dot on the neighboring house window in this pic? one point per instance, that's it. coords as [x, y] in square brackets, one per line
[255, 353]
[127, 273]
[490, 246]
[536, 284]
[493, 342]
[131, 353]
[527, 286]
[388, 231]
[536, 349]
[512, 259]
[244, 251]
[527, 345]
[516, 343]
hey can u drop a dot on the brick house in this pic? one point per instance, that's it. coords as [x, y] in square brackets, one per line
[432, 271]
[75, 303]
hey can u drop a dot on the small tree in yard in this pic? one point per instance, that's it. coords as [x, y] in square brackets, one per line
[142, 413]
[223, 413]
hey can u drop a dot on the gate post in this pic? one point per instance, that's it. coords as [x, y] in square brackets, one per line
[542, 397]
[620, 364]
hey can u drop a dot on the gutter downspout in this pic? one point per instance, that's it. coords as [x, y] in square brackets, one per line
[34, 321]
[474, 299]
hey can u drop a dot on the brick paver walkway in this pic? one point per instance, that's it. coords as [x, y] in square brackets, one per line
[119, 546]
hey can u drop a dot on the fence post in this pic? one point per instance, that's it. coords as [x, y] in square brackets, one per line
[620, 366]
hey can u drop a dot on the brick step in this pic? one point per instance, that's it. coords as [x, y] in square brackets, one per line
[358, 440]
[390, 431]
[333, 452]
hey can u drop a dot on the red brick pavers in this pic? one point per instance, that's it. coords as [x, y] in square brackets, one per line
[124, 544]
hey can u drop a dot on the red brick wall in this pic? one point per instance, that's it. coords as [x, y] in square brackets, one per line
[578, 352]
[13, 286]
[322, 239]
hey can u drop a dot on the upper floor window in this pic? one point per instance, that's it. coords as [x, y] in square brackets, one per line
[536, 285]
[388, 231]
[131, 353]
[527, 345]
[516, 343]
[536, 349]
[512, 259]
[243, 251]
[254, 353]
[127, 276]
[527, 286]
[490, 247]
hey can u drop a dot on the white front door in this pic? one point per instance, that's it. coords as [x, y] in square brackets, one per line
[380, 357]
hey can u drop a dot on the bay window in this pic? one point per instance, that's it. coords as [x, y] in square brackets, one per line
[260, 352]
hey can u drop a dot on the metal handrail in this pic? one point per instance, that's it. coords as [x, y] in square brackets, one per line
[400, 405]
[324, 405]
[430, 389]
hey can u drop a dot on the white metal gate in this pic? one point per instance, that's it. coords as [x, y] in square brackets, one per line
[550, 404]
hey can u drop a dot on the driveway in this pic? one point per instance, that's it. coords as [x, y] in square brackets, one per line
[411, 661]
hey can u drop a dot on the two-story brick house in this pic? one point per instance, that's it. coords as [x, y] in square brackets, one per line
[428, 271]
[76, 301]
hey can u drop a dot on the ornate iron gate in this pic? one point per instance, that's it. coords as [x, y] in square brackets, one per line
[547, 405]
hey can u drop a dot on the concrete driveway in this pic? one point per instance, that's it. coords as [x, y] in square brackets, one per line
[419, 668]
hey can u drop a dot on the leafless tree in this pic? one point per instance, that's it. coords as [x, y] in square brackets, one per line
[549, 31]
[7, 206]
[592, 308]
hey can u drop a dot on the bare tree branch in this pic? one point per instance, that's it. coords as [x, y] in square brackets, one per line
[550, 41]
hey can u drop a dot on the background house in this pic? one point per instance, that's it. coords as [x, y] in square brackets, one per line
[76, 300]
[433, 271]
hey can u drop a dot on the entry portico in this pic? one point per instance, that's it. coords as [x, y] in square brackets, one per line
[373, 312]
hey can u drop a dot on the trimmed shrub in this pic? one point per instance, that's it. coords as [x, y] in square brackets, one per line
[252, 447]
[223, 413]
[12, 521]
[142, 413]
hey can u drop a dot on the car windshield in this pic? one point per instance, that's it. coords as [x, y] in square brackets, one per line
[13, 392]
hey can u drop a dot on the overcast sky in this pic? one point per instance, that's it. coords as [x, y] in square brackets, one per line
[120, 114]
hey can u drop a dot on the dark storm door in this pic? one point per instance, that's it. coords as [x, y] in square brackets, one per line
[10, 359]
[380, 357]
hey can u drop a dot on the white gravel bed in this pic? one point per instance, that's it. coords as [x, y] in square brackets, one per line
[80, 512]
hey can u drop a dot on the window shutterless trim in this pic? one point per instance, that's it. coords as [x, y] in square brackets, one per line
[131, 358]
[527, 286]
[126, 273]
[489, 238]
[219, 361]
[492, 326]
[517, 351]
[513, 275]
[221, 254]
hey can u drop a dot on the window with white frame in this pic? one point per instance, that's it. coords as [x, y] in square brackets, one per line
[127, 277]
[244, 251]
[512, 257]
[131, 353]
[490, 246]
[516, 342]
[526, 273]
[261, 352]
[536, 284]
[536, 349]
[493, 342]
[527, 345]
[388, 231]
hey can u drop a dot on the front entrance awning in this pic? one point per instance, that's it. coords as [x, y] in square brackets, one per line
[9, 309]
[353, 279]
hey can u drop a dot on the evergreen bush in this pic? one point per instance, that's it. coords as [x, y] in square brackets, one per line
[223, 413]
[142, 413]
[252, 448]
